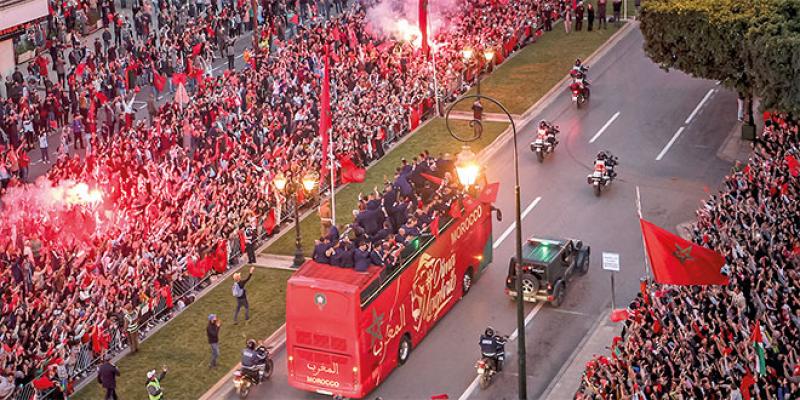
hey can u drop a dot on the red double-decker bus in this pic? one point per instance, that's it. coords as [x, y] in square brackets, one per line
[346, 331]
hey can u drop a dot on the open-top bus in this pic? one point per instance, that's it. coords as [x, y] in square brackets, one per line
[346, 331]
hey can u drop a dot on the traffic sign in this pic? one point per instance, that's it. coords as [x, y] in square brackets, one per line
[611, 261]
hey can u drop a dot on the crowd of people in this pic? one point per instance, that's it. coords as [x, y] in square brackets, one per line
[702, 342]
[151, 200]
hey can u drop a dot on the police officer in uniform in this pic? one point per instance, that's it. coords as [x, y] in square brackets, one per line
[154, 391]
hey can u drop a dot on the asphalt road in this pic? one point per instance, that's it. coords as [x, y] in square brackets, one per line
[672, 171]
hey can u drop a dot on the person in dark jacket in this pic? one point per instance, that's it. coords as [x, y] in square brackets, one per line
[212, 333]
[364, 256]
[321, 247]
[590, 16]
[579, 16]
[107, 377]
[241, 301]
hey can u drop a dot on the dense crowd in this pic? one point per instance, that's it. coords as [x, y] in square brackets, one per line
[174, 190]
[701, 342]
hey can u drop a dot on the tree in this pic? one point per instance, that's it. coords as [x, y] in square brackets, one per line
[773, 44]
[704, 38]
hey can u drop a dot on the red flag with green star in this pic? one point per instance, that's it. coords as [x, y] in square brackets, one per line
[676, 261]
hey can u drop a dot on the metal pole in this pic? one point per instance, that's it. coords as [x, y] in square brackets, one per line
[298, 251]
[613, 297]
[333, 178]
[435, 84]
[625, 9]
[523, 384]
[644, 245]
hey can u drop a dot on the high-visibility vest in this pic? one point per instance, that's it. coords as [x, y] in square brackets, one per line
[157, 385]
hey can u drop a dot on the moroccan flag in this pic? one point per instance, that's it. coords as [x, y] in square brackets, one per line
[758, 344]
[435, 179]
[325, 113]
[489, 193]
[455, 209]
[194, 269]
[269, 221]
[101, 97]
[301, 196]
[242, 241]
[794, 165]
[196, 49]
[295, 19]
[435, 226]
[178, 79]
[469, 203]
[423, 24]
[159, 81]
[620, 314]
[79, 69]
[351, 173]
[676, 261]
[414, 118]
[221, 257]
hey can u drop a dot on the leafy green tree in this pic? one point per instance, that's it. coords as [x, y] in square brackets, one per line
[774, 57]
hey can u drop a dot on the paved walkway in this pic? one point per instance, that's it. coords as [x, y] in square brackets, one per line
[596, 342]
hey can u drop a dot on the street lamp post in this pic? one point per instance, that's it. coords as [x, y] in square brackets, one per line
[291, 187]
[468, 54]
[476, 123]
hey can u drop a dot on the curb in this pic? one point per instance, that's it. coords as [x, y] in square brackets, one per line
[549, 97]
[274, 342]
[553, 382]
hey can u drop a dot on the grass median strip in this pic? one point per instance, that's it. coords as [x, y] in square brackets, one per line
[432, 137]
[182, 346]
[521, 81]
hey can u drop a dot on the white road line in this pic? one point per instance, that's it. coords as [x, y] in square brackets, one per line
[514, 224]
[699, 106]
[474, 385]
[603, 129]
[671, 141]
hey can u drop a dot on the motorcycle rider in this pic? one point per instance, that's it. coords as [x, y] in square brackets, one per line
[608, 160]
[549, 131]
[579, 70]
[493, 347]
[254, 360]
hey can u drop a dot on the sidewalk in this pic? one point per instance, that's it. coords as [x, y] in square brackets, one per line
[596, 342]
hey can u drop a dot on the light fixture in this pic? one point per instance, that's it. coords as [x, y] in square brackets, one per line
[467, 53]
[279, 181]
[467, 167]
[309, 181]
[488, 54]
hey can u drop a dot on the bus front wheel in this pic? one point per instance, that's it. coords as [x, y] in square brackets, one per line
[404, 350]
[466, 282]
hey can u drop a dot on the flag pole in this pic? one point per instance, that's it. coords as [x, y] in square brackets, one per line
[644, 244]
[333, 179]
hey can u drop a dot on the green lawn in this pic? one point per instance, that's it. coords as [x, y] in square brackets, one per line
[432, 137]
[521, 81]
[181, 345]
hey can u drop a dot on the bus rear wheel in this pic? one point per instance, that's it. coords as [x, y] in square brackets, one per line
[404, 349]
[466, 282]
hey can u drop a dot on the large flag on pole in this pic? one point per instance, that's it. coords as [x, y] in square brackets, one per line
[676, 261]
[325, 113]
[423, 25]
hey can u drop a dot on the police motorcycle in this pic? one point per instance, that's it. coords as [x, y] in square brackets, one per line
[492, 356]
[603, 173]
[545, 141]
[257, 366]
[580, 85]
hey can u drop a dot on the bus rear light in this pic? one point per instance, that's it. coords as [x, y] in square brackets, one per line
[479, 257]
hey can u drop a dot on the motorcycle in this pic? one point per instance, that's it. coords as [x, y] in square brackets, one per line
[487, 369]
[541, 146]
[246, 377]
[580, 92]
[599, 178]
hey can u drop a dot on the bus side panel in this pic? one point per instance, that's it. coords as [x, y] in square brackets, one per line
[421, 295]
[320, 327]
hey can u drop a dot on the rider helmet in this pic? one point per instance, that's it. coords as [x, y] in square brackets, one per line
[251, 344]
[543, 124]
[489, 331]
[577, 62]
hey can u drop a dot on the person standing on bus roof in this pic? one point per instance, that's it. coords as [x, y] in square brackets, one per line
[321, 247]
[364, 256]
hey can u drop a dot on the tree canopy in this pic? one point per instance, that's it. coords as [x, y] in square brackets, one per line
[751, 46]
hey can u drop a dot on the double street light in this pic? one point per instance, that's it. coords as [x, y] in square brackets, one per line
[292, 186]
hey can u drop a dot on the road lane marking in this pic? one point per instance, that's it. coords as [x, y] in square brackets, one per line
[559, 310]
[514, 224]
[671, 141]
[699, 106]
[474, 385]
[603, 129]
